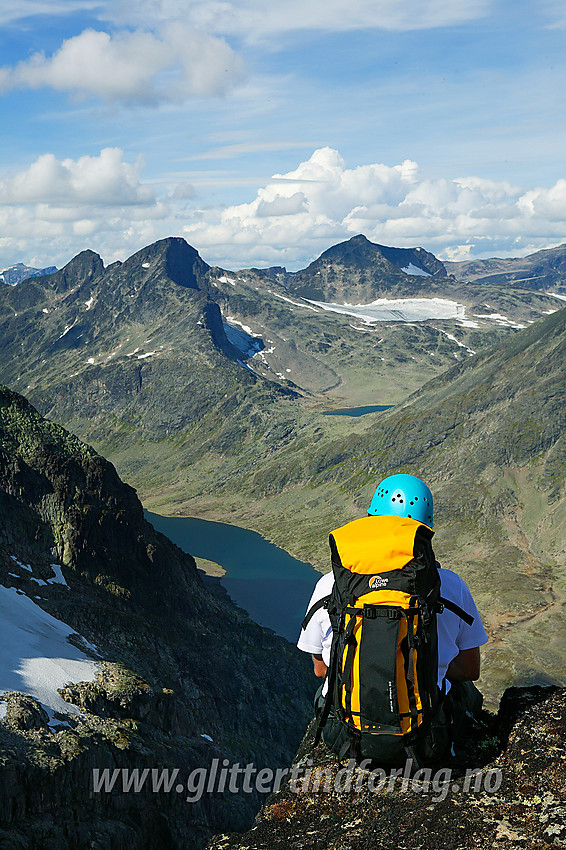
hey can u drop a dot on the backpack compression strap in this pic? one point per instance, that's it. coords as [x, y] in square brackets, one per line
[451, 606]
[446, 603]
[322, 603]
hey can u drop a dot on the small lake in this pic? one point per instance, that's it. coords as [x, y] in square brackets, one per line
[357, 411]
[271, 585]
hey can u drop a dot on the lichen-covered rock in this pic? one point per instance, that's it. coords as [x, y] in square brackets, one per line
[515, 800]
[24, 712]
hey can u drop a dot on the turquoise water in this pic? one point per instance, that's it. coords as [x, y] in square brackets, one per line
[357, 411]
[273, 587]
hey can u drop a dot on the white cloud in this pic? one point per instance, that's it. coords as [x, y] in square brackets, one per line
[301, 213]
[57, 208]
[254, 19]
[10, 11]
[94, 180]
[230, 151]
[133, 66]
[281, 205]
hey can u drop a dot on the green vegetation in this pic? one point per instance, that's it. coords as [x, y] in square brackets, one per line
[148, 376]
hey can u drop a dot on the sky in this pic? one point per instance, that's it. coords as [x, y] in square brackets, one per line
[265, 132]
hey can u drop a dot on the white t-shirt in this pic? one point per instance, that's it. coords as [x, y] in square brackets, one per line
[453, 633]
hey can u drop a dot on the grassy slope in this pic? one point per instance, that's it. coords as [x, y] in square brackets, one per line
[488, 436]
[198, 434]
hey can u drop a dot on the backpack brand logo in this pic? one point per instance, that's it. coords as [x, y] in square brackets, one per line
[376, 582]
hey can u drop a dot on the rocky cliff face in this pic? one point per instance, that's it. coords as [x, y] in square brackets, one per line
[506, 791]
[184, 677]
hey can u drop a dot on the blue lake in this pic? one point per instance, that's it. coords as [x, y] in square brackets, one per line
[357, 411]
[271, 585]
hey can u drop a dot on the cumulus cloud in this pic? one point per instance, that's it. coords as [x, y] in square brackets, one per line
[133, 66]
[55, 208]
[300, 213]
[94, 180]
[281, 205]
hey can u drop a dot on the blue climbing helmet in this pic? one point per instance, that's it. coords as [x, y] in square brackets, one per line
[403, 495]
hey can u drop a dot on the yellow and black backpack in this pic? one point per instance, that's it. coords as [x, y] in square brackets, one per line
[383, 694]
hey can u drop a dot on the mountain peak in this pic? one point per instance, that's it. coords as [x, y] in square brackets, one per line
[362, 253]
[362, 270]
[81, 268]
[181, 262]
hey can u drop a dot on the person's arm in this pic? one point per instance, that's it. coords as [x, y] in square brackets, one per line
[465, 667]
[320, 667]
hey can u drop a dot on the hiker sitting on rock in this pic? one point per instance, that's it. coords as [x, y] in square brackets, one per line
[395, 636]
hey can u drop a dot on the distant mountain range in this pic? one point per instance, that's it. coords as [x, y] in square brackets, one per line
[15, 274]
[544, 270]
[206, 388]
[369, 267]
[166, 347]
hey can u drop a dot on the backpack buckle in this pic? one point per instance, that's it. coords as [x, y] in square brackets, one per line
[370, 612]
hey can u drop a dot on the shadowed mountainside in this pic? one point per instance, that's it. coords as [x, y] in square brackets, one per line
[184, 676]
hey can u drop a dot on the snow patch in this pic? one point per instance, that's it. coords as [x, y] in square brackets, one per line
[3, 710]
[207, 738]
[415, 270]
[247, 343]
[90, 360]
[557, 295]
[19, 563]
[145, 265]
[149, 354]
[45, 310]
[245, 328]
[59, 577]
[245, 365]
[88, 304]
[399, 309]
[295, 303]
[225, 279]
[499, 319]
[36, 657]
[457, 341]
[67, 329]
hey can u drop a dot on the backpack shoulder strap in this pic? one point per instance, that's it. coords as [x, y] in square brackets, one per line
[321, 603]
[451, 606]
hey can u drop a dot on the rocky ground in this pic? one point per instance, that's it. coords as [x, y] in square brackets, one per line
[515, 799]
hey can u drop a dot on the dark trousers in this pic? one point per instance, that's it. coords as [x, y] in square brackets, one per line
[460, 707]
